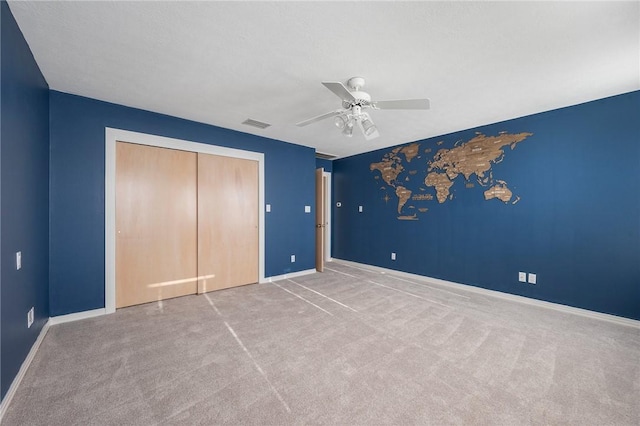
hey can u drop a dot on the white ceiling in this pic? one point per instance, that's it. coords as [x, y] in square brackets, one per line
[224, 62]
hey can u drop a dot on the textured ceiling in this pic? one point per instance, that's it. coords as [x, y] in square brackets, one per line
[224, 62]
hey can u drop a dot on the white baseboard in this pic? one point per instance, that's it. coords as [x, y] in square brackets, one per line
[291, 275]
[60, 319]
[498, 294]
[4, 405]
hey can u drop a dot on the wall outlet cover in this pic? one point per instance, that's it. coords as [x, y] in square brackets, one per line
[393, 256]
[293, 258]
[307, 209]
[522, 277]
[532, 279]
[268, 208]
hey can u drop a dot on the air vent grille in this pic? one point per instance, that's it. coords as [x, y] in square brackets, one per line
[256, 123]
[325, 156]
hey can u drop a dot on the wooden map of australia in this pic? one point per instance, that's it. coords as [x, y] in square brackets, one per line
[471, 160]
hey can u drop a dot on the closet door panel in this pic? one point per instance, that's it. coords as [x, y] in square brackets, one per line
[156, 223]
[227, 222]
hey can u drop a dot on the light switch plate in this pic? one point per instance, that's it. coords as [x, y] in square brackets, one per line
[532, 278]
[307, 209]
[522, 277]
[360, 209]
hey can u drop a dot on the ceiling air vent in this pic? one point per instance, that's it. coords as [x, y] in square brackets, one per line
[325, 156]
[256, 123]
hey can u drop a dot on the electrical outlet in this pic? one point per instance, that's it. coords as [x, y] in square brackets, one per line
[307, 209]
[522, 277]
[532, 278]
[30, 316]
[360, 209]
[268, 208]
[393, 256]
[293, 258]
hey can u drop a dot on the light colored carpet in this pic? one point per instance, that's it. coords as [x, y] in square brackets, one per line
[348, 346]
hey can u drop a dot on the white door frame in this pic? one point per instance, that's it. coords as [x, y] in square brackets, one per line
[113, 135]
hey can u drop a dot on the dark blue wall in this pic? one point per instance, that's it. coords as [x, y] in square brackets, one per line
[24, 198]
[577, 224]
[327, 165]
[77, 193]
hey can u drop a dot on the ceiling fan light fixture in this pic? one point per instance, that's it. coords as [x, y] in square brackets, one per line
[368, 128]
[340, 121]
[348, 129]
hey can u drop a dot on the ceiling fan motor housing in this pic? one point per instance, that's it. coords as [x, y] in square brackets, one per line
[361, 99]
[356, 83]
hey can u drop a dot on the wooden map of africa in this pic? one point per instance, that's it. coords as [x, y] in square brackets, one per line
[474, 157]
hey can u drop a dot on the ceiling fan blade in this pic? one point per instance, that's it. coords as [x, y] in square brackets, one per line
[339, 89]
[402, 104]
[320, 117]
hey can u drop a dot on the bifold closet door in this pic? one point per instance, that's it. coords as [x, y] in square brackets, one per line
[156, 223]
[227, 222]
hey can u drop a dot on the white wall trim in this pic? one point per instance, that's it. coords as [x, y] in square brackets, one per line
[113, 135]
[291, 275]
[4, 405]
[61, 319]
[500, 295]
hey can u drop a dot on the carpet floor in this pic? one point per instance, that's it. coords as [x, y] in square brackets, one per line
[349, 346]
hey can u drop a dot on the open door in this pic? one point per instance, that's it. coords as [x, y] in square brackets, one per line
[326, 182]
[320, 208]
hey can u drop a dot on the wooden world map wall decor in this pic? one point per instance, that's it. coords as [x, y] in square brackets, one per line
[474, 157]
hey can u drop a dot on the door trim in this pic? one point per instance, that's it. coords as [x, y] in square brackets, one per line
[111, 136]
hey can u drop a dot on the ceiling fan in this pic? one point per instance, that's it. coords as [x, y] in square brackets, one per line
[354, 101]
